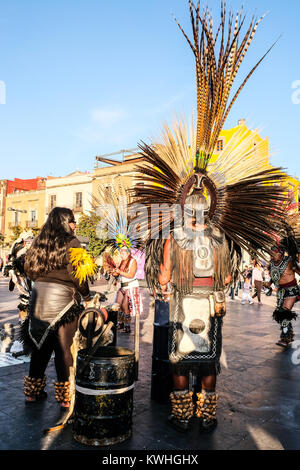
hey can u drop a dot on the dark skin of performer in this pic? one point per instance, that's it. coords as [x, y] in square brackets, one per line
[287, 277]
[182, 382]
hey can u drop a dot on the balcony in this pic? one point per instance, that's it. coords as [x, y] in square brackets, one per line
[31, 224]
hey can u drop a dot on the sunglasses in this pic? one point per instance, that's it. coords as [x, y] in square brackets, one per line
[73, 222]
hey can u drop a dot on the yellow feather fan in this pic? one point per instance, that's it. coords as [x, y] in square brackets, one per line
[83, 264]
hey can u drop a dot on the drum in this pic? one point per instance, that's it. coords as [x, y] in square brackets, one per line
[104, 396]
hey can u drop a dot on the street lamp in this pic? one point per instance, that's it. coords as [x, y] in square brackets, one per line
[17, 210]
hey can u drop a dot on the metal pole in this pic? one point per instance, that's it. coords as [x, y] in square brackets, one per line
[137, 344]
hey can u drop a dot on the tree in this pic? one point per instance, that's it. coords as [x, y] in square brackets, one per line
[35, 231]
[17, 230]
[87, 227]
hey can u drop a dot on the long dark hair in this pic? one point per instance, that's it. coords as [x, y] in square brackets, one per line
[48, 250]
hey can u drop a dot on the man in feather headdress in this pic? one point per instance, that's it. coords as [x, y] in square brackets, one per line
[196, 310]
[283, 268]
[240, 201]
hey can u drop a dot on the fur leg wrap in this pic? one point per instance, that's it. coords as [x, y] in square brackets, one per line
[120, 320]
[121, 317]
[62, 392]
[127, 318]
[281, 314]
[287, 332]
[207, 405]
[127, 322]
[34, 387]
[182, 405]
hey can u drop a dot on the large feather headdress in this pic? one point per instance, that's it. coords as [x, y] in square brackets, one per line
[248, 197]
[112, 207]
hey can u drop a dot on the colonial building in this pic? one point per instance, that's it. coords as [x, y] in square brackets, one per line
[73, 191]
[16, 186]
[25, 210]
[104, 177]
[22, 206]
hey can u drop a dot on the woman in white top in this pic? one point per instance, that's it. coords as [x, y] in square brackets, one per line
[128, 296]
[257, 280]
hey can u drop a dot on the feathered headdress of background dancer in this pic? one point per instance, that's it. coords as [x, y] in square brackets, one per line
[247, 196]
[116, 227]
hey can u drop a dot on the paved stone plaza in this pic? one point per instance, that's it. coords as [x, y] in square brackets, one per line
[259, 385]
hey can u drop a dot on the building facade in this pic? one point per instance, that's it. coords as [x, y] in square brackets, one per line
[3, 193]
[24, 209]
[73, 191]
[105, 178]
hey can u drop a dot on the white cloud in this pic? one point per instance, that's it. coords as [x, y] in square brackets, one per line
[102, 125]
[165, 106]
[107, 117]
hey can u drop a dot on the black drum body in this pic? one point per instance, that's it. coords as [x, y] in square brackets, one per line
[104, 397]
[161, 377]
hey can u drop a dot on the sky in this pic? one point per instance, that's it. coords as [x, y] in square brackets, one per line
[80, 78]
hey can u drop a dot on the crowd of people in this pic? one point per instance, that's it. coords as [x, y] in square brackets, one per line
[253, 281]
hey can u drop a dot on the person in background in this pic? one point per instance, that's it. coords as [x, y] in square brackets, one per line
[246, 289]
[55, 306]
[17, 276]
[257, 280]
[283, 269]
[128, 296]
[246, 271]
[267, 278]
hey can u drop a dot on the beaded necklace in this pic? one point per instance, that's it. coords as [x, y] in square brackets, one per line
[276, 271]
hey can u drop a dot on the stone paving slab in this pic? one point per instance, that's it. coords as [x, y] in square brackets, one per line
[8, 360]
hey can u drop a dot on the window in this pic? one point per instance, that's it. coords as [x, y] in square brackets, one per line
[78, 200]
[107, 194]
[16, 218]
[33, 216]
[52, 201]
[220, 145]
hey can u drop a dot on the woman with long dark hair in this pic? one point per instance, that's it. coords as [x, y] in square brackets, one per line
[54, 307]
